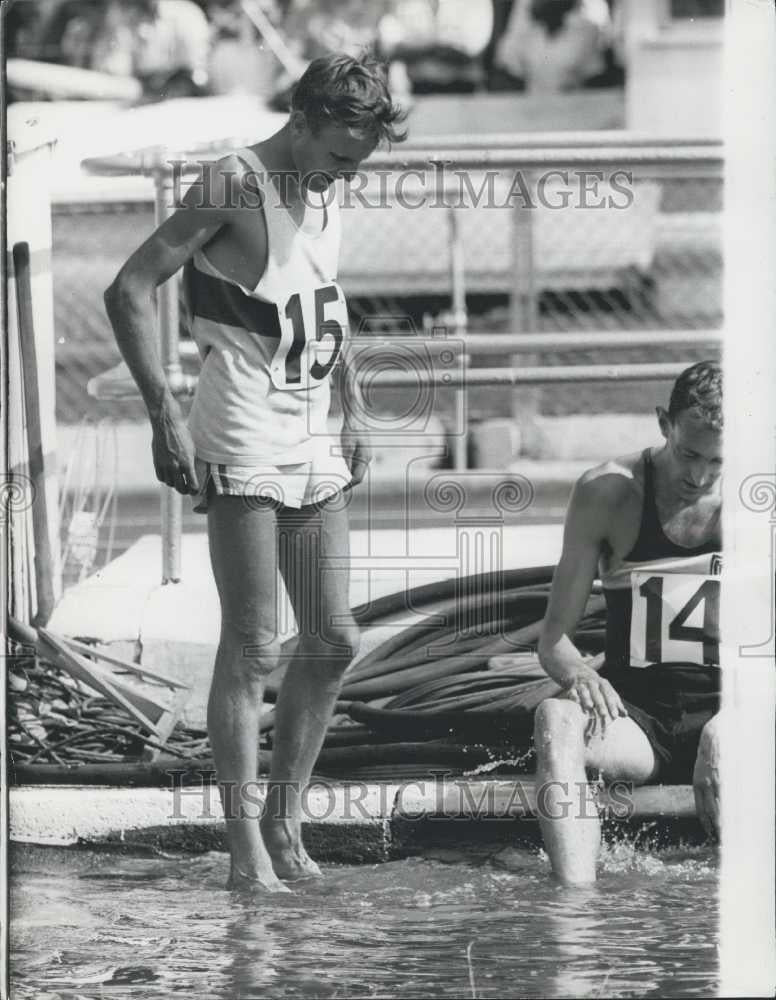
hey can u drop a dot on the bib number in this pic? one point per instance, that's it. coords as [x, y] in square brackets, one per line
[312, 329]
[675, 617]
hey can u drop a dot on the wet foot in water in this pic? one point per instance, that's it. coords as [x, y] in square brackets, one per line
[289, 858]
[254, 881]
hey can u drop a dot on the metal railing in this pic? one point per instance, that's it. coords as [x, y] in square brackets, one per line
[537, 375]
[646, 158]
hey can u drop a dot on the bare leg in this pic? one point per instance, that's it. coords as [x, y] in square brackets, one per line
[313, 549]
[242, 552]
[567, 811]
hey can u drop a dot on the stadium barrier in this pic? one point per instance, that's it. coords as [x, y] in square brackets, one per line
[673, 232]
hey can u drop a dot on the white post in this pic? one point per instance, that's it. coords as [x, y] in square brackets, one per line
[524, 313]
[169, 348]
[458, 282]
[29, 231]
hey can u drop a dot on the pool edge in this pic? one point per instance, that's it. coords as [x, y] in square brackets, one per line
[346, 821]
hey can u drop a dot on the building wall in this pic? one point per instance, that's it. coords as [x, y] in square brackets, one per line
[674, 79]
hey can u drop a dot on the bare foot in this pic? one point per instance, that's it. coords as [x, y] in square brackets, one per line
[254, 882]
[289, 857]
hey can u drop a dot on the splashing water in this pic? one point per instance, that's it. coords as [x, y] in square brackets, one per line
[486, 925]
[491, 765]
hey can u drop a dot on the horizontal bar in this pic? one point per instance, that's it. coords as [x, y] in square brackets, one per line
[496, 343]
[601, 138]
[512, 343]
[688, 159]
[523, 152]
[186, 384]
[526, 376]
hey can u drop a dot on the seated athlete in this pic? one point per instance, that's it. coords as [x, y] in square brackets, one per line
[649, 525]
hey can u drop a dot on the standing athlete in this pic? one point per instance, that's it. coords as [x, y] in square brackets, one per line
[649, 526]
[259, 238]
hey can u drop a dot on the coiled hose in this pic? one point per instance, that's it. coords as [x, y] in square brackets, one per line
[456, 689]
[435, 684]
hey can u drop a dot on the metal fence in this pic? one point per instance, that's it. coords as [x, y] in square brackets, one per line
[619, 238]
[595, 248]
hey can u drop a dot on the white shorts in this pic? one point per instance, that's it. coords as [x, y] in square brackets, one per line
[297, 485]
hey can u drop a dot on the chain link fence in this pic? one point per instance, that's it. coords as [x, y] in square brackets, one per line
[617, 255]
[651, 259]
[617, 251]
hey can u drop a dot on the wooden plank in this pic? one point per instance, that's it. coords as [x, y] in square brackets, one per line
[44, 563]
[79, 667]
[158, 716]
[134, 668]
[16, 511]
[166, 724]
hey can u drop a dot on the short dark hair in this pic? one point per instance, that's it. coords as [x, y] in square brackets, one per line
[699, 388]
[353, 92]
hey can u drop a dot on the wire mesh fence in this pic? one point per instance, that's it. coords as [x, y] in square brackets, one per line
[649, 257]
[620, 252]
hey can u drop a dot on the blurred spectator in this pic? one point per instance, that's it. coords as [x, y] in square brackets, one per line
[22, 21]
[240, 60]
[441, 42]
[318, 27]
[495, 78]
[555, 45]
[98, 38]
[164, 43]
[171, 46]
[313, 28]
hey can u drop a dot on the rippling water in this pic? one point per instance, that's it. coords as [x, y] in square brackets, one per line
[95, 925]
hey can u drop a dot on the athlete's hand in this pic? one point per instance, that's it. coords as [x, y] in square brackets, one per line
[173, 451]
[705, 778]
[357, 452]
[596, 697]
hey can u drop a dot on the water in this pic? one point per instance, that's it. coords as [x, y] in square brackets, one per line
[95, 925]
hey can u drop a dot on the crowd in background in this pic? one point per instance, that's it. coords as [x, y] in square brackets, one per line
[193, 47]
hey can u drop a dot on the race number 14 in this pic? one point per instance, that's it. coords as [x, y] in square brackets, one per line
[675, 618]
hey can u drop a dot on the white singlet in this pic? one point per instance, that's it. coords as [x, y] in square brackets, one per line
[267, 352]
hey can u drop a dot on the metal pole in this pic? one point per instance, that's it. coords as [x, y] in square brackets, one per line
[167, 321]
[503, 343]
[460, 320]
[523, 307]
[537, 375]
[653, 160]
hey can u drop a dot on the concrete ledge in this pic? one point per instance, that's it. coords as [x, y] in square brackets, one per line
[505, 799]
[348, 822]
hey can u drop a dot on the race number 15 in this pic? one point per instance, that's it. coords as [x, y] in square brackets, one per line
[312, 328]
[675, 618]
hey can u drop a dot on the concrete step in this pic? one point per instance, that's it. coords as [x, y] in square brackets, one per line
[345, 822]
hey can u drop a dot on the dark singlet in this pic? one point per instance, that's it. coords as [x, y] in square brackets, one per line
[677, 612]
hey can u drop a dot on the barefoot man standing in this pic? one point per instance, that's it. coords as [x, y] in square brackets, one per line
[258, 237]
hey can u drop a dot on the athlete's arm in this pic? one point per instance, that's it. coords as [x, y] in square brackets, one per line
[129, 302]
[585, 531]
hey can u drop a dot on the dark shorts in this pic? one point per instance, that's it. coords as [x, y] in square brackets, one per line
[671, 702]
